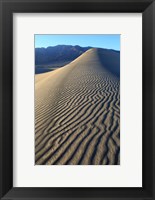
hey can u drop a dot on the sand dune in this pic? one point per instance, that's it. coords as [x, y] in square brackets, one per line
[77, 112]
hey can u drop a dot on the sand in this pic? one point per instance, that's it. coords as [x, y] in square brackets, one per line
[77, 112]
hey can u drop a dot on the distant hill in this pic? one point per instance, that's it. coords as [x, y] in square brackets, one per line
[59, 53]
[47, 59]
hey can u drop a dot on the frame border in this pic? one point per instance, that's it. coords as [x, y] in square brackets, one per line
[7, 8]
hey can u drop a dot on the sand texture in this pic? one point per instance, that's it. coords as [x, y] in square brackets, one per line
[77, 112]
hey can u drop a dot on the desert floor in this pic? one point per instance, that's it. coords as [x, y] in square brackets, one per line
[77, 112]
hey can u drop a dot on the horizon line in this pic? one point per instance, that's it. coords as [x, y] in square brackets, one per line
[77, 45]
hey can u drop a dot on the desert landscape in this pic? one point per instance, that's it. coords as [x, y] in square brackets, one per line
[77, 111]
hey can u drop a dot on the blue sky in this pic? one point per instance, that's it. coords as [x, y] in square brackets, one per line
[96, 40]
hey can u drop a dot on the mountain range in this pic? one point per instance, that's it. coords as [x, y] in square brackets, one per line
[52, 57]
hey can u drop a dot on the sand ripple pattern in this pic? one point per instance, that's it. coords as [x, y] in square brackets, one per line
[77, 114]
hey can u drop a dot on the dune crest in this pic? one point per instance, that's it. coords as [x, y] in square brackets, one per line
[77, 112]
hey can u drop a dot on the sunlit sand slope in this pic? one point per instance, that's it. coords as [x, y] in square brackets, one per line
[77, 112]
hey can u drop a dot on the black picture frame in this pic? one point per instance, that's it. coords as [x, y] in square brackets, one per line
[7, 8]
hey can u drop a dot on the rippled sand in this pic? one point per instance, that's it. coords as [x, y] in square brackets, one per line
[77, 112]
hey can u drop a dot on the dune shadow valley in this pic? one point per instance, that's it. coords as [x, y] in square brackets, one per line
[77, 108]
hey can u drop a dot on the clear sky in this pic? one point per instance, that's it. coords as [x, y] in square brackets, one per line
[96, 40]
